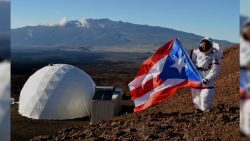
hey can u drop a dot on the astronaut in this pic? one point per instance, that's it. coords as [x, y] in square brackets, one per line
[245, 79]
[207, 60]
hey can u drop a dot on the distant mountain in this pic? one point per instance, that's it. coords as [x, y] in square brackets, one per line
[100, 35]
[4, 49]
[4, 20]
[4, 30]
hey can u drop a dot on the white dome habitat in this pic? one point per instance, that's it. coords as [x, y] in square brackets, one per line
[57, 91]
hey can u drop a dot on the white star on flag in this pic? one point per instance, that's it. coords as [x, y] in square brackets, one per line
[179, 64]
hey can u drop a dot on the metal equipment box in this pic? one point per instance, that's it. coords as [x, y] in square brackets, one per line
[106, 103]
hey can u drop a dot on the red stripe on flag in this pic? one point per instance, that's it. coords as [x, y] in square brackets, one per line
[245, 68]
[164, 94]
[242, 91]
[159, 54]
[146, 87]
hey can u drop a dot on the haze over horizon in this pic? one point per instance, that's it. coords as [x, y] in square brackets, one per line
[218, 22]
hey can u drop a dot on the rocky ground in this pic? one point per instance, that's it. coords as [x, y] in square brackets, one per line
[215, 125]
[175, 118]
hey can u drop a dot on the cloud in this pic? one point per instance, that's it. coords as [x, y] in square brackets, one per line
[63, 21]
[83, 22]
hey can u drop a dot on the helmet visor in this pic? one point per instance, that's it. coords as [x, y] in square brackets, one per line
[205, 46]
[246, 32]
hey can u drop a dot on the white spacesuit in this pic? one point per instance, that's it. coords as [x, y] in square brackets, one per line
[245, 79]
[245, 100]
[207, 60]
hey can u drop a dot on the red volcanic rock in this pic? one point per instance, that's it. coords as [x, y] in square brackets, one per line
[173, 119]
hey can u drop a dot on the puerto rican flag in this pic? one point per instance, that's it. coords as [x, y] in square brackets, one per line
[244, 81]
[159, 76]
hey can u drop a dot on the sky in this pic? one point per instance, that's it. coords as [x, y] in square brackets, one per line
[245, 7]
[211, 18]
[4, 19]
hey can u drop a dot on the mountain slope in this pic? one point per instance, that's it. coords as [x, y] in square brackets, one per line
[4, 49]
[173, 119]
[99, 35]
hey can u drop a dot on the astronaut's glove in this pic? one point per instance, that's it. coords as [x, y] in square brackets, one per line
[204, 82]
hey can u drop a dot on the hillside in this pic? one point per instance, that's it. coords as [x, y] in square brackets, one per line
[173, 119]
[100, 35]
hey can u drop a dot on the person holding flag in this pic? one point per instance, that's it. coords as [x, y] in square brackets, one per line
[245, 79]
[159, 76]
[170, 68]
[206, 59]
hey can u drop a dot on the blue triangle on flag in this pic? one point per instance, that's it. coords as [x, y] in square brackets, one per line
[178, 65]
